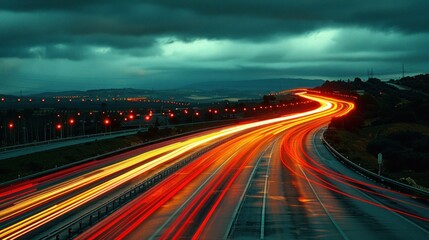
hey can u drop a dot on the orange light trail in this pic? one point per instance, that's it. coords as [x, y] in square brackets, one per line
[103, 186]
[248, 146]
[294, 154]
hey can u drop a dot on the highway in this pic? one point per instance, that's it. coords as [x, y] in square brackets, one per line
[267, 179]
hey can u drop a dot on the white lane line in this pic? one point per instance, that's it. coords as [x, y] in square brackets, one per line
[323, 206]
[264, 201]
[317, 151]
[240, 202]
[375, 200]
[154, 235]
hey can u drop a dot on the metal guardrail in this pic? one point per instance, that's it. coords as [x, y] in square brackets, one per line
[84, 222]
[392, 184]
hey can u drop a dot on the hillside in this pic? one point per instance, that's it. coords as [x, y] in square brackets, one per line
[386, 120]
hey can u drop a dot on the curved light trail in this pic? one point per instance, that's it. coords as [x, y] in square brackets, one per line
[232, 157]
[207, 197]
[101, 181]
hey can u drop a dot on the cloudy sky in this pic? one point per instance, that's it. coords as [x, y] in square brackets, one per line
[48, 45]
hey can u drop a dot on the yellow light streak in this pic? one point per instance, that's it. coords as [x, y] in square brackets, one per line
[166, 153]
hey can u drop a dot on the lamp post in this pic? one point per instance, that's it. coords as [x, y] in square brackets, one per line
[71, 123]
[11, 133]
[59, 127]
[106, 123]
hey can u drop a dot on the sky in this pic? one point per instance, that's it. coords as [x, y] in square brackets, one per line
[52, 45]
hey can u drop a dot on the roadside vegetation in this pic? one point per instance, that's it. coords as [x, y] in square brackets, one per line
[389, 121]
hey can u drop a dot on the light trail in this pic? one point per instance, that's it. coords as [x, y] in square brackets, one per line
[244, 149]
[203, 186]
[102, 186]
[294, 155]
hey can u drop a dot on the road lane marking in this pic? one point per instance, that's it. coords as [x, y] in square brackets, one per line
[240, 202]
[395, 213]
[189, 199]
[323, 206]
[264, 201]
[364, 193]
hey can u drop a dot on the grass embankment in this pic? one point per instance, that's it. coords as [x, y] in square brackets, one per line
[354, 145]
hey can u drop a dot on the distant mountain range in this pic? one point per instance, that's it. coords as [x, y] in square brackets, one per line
[247, 88]
[262, 85]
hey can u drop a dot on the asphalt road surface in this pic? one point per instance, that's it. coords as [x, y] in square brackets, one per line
[269, 179]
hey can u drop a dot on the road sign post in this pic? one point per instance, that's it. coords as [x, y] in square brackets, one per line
[380, 161]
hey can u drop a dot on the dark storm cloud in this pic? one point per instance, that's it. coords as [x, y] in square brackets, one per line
[271, 38]
[404, 15]
[52, 22]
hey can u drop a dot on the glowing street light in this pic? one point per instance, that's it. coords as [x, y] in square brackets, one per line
[59, 127]
[107, 123]
[71, 123]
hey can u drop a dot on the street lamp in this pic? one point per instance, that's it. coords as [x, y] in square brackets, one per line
[106, 123]
[59, 127]
[11, 133]
[71, 123]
